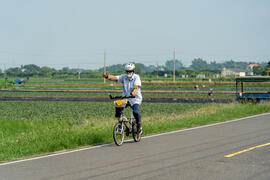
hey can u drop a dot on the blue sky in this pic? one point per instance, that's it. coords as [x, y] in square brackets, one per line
[72, 33]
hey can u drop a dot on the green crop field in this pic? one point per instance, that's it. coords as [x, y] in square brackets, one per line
[105, 95]
[97, 83]
[79, 111]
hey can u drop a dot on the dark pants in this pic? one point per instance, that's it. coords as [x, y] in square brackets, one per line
[136, 113]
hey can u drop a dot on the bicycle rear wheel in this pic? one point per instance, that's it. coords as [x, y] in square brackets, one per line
[137, 137]
[118, 133]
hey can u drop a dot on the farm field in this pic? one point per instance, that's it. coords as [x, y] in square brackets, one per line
[95, 88]
[104, 95]
[97, 84]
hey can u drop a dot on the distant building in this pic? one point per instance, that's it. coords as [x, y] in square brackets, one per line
[200, 76]
[250, 69]
[184, 76]
[251, 66]
[241, 74]
[232, 73]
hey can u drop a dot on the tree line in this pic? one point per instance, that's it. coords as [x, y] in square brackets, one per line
[198, 66]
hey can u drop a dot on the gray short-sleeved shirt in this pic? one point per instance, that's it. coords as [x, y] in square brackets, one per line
[128, 87]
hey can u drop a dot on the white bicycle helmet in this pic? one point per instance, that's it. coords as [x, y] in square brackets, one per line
[129, 67]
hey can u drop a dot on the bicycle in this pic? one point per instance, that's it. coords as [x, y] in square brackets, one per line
[124, 126]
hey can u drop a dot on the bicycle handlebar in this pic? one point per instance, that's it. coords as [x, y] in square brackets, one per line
[120, 97]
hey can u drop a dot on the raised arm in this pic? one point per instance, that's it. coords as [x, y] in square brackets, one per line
[110, 77]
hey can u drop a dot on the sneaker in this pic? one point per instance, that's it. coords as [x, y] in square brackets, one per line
[139, 131]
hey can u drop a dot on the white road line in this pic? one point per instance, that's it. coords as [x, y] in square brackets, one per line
[107, 144]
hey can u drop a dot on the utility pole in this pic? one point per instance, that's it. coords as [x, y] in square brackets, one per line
[174, 65]
[104, 65]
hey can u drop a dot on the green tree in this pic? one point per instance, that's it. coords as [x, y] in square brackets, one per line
[169, 64]
[267, 69]
[14, 72]
[31, 70]
[65, 70]
[236, 65]
[258, 70]
[138, 69]
[199, 64]
[214, 66]
[46, 71]
[114, 68]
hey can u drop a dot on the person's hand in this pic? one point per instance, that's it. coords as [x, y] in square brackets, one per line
[106, 75]
[133, 94]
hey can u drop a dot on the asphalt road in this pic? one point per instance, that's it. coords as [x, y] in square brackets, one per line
[197, 153]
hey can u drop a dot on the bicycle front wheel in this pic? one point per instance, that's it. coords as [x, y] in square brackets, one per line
[118, 133]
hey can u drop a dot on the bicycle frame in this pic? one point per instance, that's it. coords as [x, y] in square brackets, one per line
[124, 125]
[125, 120]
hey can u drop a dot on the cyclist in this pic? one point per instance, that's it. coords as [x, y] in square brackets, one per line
[131, 87]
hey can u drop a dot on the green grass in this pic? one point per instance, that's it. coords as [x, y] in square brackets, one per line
[31, 128]
[210, 114]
